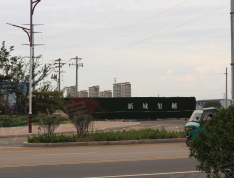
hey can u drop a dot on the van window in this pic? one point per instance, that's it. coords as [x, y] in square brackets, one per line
[195, 117]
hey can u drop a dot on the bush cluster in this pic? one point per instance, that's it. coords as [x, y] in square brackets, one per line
[54, 138]
[15, 120]
[213, 147]
[48, 124]
[109, 136]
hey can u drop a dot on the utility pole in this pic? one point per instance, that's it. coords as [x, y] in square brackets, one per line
[59, 65]
[232, 49]
[226, 96]
[29, 32]
[77, 67]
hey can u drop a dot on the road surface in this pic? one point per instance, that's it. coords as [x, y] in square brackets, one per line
[146, 161]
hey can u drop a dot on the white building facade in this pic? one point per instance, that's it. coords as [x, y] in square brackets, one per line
[71, 91]
[83, 93]
[94, 91]
[122, 89]
[105, 94]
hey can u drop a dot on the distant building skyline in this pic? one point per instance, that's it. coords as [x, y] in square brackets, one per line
[119, 90]
[122, 89]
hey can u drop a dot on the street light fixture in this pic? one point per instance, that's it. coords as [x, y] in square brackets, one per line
[29, 32]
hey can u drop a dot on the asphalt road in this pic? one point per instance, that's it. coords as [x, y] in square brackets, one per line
[12, 142]
[152, 160]
[141, 169]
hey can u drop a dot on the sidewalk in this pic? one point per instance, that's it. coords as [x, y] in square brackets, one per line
[64, 128]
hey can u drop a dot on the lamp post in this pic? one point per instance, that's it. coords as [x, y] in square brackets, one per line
[32, 8]
[30, 36]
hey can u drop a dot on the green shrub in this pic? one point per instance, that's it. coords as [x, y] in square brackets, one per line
[82, 122]
[52, 138]
[16, 120]
[13, 121]
[48, 124]
[213, 148]
[109, 136]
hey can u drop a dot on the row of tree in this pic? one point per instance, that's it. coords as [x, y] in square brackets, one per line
[14, 85]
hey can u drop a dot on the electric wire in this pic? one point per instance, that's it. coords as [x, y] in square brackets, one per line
[158, 34]
[124, 29]
[96, 21]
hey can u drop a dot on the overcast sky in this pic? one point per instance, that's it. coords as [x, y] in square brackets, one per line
[163, 48]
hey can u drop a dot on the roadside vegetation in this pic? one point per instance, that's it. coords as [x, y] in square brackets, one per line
[108, 136]
[15, 120]
[22, 120]
[14, 85]
[213, 147]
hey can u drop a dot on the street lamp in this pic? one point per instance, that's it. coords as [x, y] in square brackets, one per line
[29, 32]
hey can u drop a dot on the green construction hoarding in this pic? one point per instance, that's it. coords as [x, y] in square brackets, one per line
[142, 107]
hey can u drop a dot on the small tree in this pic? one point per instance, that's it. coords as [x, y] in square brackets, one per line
[48, 124]
[214, 147]
[82, 112]
[83, 123]
[47, 101]
[17, 69]
[215, 104]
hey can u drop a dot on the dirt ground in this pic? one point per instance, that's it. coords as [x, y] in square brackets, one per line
[172, 125]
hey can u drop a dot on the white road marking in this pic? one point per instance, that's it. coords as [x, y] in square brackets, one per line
[152, 174]
[64, 154]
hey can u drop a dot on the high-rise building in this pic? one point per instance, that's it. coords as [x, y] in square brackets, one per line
[122, 89]
[71, 91]
[105, 94]
[83, 93]
[94, 91]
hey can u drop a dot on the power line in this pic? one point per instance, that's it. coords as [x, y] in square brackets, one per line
[158, 34]
[147, 19]
[153, 73]
[115, 12]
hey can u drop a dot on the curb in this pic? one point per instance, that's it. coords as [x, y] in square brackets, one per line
[99, 143]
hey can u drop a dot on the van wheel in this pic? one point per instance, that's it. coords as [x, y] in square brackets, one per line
[188, 141]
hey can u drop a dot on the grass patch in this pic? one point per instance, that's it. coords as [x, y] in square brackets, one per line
[109, 136]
